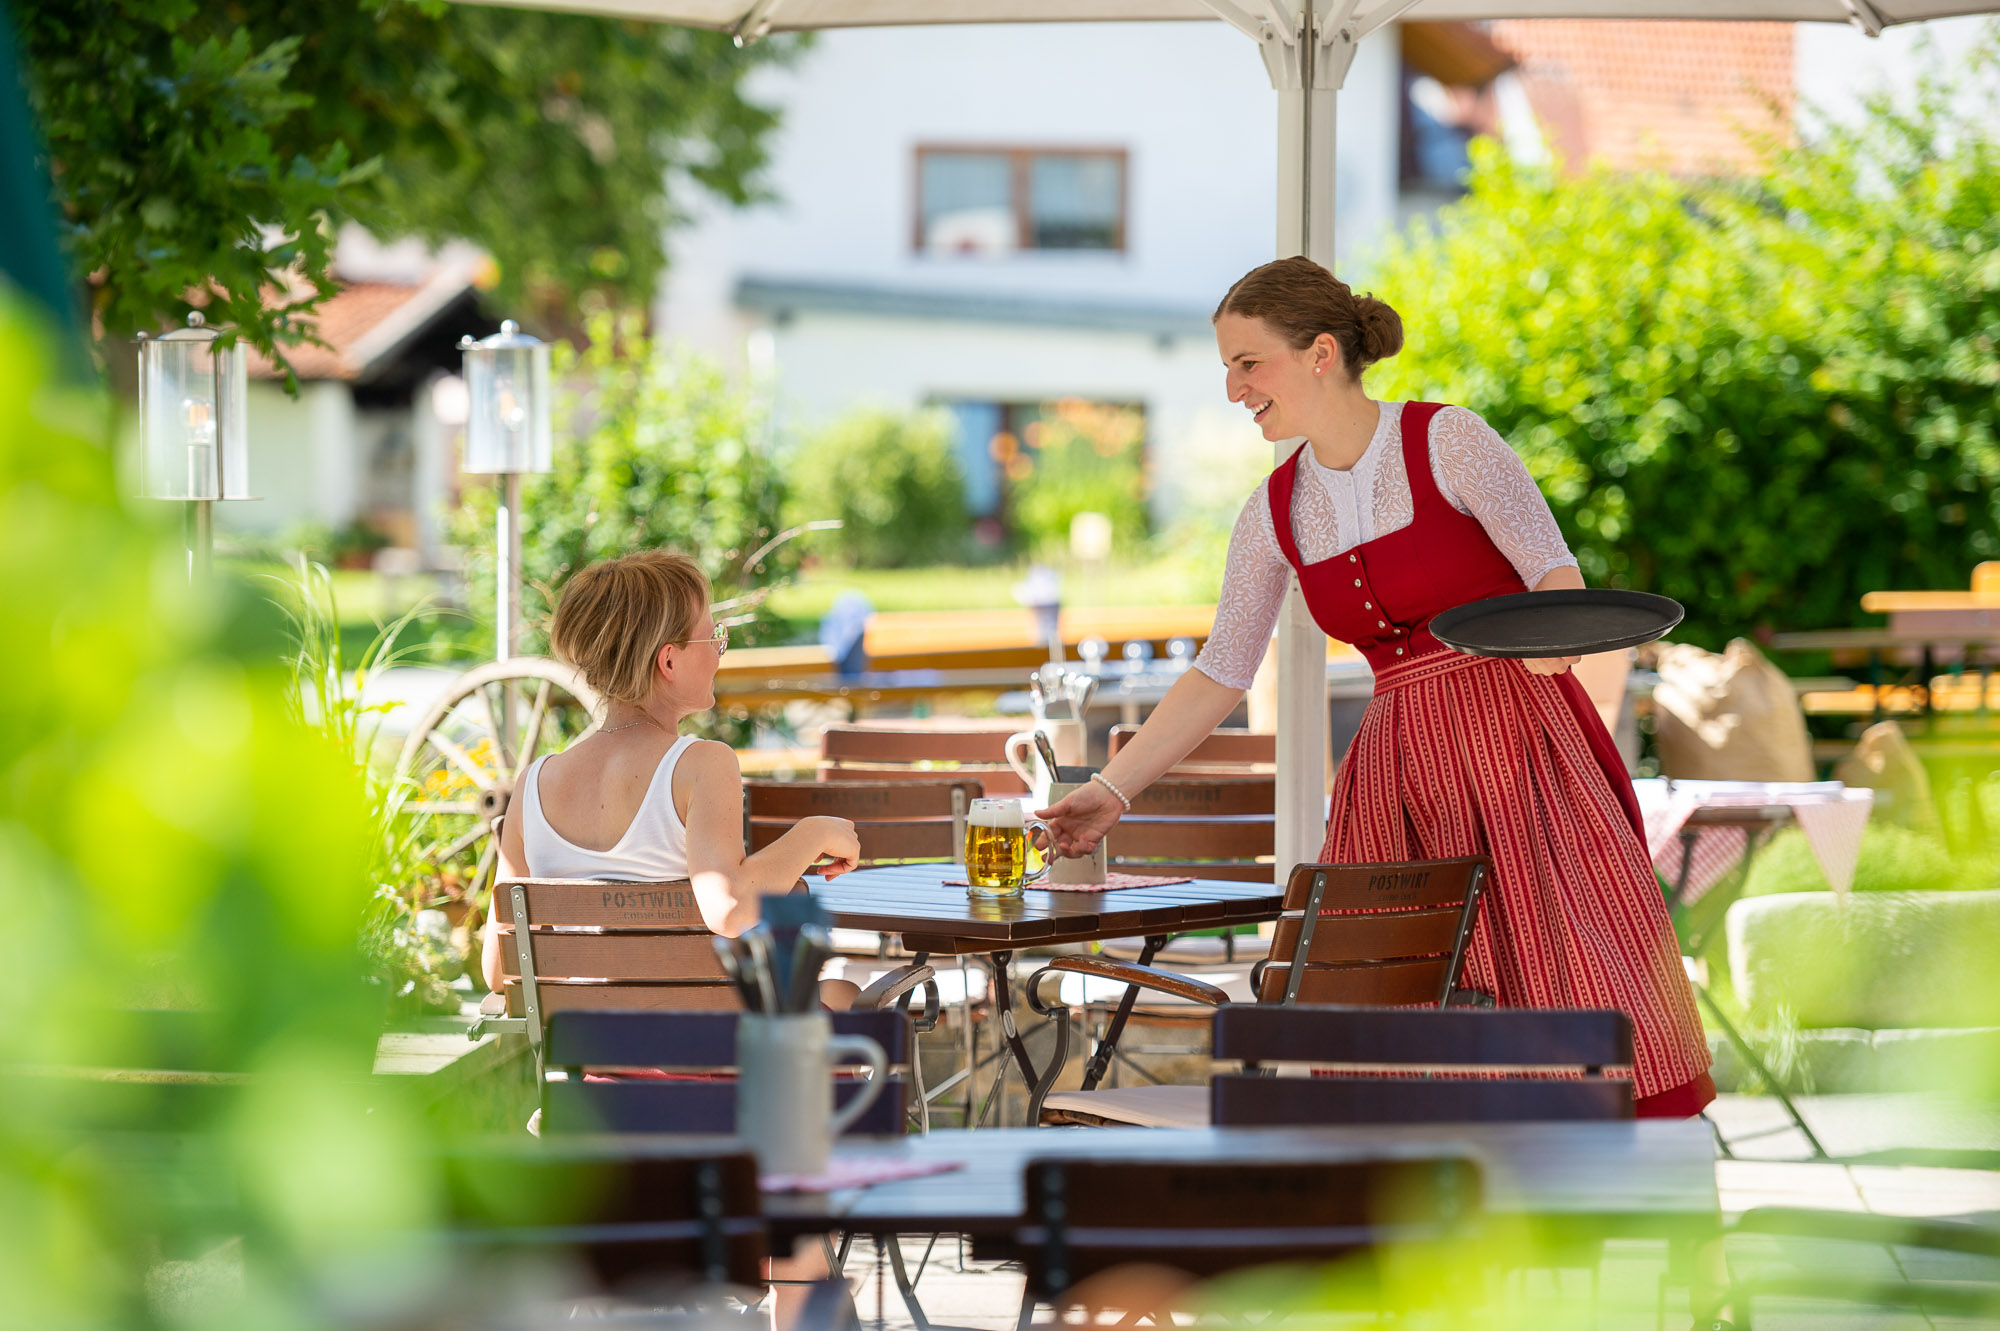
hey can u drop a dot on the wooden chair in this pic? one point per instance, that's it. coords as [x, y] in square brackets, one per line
[870, 753]
[1225, 750]
[690, 1042]
[1203, 827]
[896, 820]
[1397, 1053]
[1367, 934]
[1084, 1218]
[595, 946]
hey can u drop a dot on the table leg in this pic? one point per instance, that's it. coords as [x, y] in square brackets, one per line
[1100, 1061]
[1003, 1007]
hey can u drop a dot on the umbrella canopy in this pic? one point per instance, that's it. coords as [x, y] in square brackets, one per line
[755, 18]
[1307, 47]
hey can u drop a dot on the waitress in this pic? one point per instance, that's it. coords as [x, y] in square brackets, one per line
[1390, 513]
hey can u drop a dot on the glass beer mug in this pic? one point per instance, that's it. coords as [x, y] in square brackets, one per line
[996, 849]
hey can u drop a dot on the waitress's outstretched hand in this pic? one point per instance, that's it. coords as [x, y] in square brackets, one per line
[1079, 820]
[1549, 665]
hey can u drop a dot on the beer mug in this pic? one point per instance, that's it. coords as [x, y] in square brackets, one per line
[996, 849]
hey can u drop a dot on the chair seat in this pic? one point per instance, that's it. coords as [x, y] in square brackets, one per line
[1139, 1106]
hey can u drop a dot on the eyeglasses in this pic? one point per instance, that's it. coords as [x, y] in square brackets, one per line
[720, 638]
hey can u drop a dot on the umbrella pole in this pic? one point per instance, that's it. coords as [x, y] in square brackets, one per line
[1300, 73]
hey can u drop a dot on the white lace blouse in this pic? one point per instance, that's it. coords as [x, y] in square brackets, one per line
[1477, 472]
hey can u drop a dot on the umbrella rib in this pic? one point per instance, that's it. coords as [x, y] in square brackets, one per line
[1388, 14]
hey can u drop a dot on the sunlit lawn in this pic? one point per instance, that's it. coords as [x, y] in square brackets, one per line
[990, 587]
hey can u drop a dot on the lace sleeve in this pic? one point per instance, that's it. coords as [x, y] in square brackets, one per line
[1254, 584]
[1479, 473]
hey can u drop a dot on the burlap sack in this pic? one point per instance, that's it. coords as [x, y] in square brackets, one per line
[1731, 717]
[1884, 761]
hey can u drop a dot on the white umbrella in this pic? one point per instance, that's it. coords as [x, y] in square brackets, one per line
[1307, 46]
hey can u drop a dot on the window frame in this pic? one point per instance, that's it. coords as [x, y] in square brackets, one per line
[1020, 187]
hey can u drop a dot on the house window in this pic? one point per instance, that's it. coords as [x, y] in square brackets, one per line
[999, 200]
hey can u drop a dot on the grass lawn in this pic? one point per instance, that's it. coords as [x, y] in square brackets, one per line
[954, 587]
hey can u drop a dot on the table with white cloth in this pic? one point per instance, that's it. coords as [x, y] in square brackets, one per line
[1694, 849]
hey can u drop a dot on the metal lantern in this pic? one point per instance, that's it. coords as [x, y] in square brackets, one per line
[507, 435]
[193, 426]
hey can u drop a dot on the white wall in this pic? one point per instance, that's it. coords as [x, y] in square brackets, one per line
[306, 455]
[1837, 66]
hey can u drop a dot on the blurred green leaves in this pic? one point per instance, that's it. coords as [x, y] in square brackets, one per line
[1761, 397]
[182, 865]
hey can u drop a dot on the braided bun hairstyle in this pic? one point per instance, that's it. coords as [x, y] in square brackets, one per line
[1301, 300]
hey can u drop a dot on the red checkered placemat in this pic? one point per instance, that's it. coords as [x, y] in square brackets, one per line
[1112, 882]
[852, 1173]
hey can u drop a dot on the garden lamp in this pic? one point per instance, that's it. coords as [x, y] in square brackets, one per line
[507, 435]
[193, 427]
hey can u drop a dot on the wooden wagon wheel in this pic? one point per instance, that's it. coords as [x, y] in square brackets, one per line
[466, 755]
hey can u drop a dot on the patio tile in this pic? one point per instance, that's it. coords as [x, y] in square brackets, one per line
[1747, 1183]
[1916, 1190]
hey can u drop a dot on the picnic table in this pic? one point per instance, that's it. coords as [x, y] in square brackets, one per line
[1925, 627]
[932, 917]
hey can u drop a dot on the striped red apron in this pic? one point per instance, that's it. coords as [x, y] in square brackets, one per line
[1465, 755]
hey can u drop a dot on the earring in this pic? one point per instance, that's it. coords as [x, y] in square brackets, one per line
[1319, 369]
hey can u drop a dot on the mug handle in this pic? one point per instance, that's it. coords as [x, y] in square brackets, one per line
[869, 1052]
[1024, 740]
[1049, 856]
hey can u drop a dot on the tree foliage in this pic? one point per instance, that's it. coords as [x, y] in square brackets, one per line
[1761, 397]
[202, 152]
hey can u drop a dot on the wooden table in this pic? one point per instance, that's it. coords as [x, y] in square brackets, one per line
[912, 901]
[1652, 1178]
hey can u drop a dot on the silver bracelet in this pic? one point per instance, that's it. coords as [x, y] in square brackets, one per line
[1098, 777]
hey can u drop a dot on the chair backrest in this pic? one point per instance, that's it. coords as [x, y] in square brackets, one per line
[1207, 827]
[1373, 934]
[873, 753]
[1412, 1065]
[702, 1047]
[894, 820]
[631, 1211]
[1084, 1216]
[605, 945]
[1226, 749]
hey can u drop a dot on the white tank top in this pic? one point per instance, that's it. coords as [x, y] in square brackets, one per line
[653, 849]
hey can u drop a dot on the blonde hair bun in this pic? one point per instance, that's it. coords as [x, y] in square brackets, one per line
[615, 615]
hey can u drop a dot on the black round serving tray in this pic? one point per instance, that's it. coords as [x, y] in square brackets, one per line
[1573, 622]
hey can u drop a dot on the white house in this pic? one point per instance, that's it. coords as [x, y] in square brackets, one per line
[989, 218]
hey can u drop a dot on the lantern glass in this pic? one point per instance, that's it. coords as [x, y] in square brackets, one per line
[507, 426]
[193, 407]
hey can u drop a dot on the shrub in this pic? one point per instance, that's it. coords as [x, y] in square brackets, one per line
[894, 483]
[1893, 859]
[654, 449]
[1079, 457]
[1763, 397]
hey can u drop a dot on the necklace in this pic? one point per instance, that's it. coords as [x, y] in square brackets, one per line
[642, 721]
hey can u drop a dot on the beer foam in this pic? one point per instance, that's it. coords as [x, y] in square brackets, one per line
[994, 813]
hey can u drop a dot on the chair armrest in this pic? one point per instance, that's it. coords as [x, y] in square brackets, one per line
[493, 1005]
[1048, 980]
[888, 988]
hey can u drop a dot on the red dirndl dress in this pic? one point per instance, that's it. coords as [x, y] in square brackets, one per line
[1469, 755]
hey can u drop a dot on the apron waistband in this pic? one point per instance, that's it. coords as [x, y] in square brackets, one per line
[1431, 665]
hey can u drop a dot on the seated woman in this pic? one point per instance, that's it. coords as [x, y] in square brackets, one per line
[636, 801]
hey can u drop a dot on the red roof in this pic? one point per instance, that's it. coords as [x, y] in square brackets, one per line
[360, 323]
[1684, 95]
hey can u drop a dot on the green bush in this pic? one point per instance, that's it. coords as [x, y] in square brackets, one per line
[654, 449]
[1079, 457]
[1762, 397]
[1893, 859]
[894, 483]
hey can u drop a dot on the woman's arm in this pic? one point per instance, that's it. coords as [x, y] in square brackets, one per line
[513, 864]
[728, 884]
[1193, 707]
[1566, 578]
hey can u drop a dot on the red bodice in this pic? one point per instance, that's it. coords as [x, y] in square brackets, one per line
[1381, 595]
